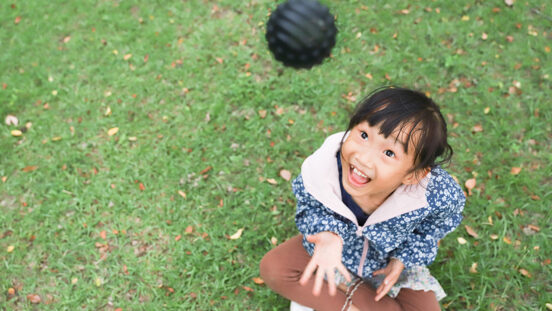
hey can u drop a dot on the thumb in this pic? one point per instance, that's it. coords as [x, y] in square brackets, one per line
[312, 238]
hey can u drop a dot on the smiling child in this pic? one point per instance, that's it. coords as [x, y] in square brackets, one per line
[372, 204]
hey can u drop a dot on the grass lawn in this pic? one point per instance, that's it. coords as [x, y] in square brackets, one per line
[153, 132]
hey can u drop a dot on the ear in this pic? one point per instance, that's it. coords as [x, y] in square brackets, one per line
[416, 176]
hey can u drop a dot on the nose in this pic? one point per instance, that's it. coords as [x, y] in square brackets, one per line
[367, 159]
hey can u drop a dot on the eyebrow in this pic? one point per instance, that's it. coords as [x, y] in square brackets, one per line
[401, 142]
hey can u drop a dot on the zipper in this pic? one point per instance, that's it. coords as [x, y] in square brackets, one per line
[364, 252]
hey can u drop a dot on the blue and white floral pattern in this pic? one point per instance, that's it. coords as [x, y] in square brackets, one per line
[411, 237]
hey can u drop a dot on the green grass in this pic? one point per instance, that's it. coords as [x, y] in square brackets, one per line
[191, 97]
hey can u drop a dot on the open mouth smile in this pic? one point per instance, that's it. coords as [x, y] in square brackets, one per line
[358, 178]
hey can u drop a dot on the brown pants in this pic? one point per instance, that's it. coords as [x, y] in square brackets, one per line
[282, 267]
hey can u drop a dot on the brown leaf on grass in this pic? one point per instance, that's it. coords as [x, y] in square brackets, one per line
[236, 235]
[477, 128]
[515, 170]
[29, 168]
[178, 237]
[17, 20]
[247, 288]
[258, 281]
[470, 184]
[34, 298]
[285, 174]
[142, 187]
[182, 193]
[262, 113]
[189, 230]
[272, 181]
[11, 120]
[16, 133]
[103, 234]
[473, 268]
[509, 2]
[525, 273]
[471, 231]
[205, 170]
[112, 131]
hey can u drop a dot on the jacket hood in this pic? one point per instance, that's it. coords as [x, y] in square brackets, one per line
[321, 179]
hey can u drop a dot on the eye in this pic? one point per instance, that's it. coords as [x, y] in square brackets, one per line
[389, 153]
[364, 135]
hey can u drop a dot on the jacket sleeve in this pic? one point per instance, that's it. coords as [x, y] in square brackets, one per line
[420, 247]
[311, 216]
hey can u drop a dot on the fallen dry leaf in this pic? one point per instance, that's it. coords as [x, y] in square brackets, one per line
[509, 2]
[515, 170]
[272, 181]
[236, 235]
[471, 231]
[470, 184]
[247, 288]
[525, 273]
[10, 248]
[274, 241]
[473, 268]
[127, 56]
[34, 298]
[462, 241]
[258, 281]
[178, 237]
[142, 187]
[29, 168]
[103, 234]
[182, 193]
[189, 229]
[285, 174]
[477, 128]
[11, 120]
[262, 113]
[549, 306]
[112, 131]
[16, 133]
[205, 170]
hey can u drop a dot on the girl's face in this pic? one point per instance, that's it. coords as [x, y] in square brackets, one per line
[374, 166]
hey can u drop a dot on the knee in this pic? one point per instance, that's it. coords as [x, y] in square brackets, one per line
[268, 268]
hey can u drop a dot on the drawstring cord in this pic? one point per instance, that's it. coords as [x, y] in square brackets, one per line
[349, 300]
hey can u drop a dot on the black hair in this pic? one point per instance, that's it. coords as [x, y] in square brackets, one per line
[394, 108]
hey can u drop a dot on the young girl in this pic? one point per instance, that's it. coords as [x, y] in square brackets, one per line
[372, 205]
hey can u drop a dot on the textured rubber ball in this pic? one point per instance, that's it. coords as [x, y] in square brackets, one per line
[301, 33]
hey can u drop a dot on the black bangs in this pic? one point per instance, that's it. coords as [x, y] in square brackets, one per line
[400, 110]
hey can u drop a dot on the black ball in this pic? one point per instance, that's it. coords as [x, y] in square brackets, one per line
[301, 33]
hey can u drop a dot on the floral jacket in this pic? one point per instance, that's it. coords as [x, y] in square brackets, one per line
[407, 226]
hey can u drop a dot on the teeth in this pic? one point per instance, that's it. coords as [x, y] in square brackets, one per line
[356, 171]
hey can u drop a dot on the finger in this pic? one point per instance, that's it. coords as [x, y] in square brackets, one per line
[318, 282]
[331, 283]
[341, 268]
[382, 291]
[312, 238]
[377, 272]
[309, 270]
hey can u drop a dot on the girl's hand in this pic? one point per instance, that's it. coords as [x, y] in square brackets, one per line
[325, 259]
[392, 273]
